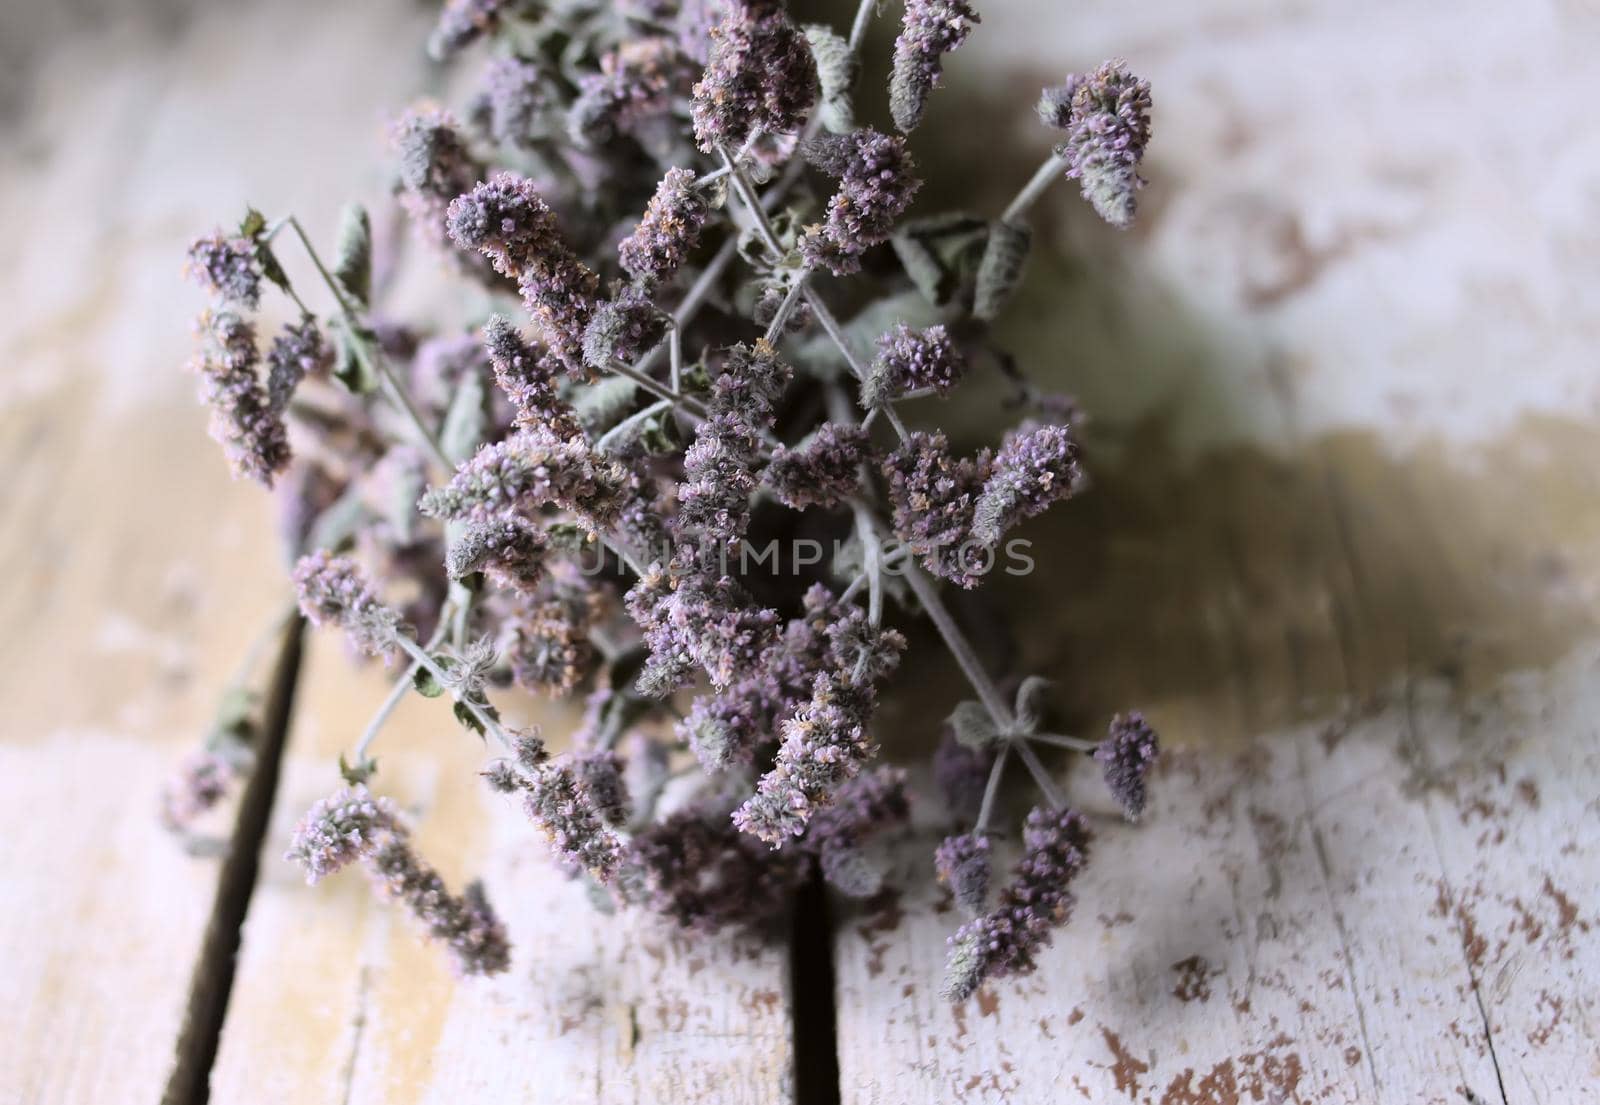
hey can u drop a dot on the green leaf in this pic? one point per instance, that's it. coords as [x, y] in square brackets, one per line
[466, 420]
[425, 684]
[350, 368]
[354, 774]
[836, 73]
[253, 223]
[468, 719]
[1031, 703]
[269, 265]
[353, 263]
[973, 726]
[1005, 255]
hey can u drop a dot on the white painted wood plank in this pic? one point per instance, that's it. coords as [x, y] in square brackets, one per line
[1309, 921]
[337, 999]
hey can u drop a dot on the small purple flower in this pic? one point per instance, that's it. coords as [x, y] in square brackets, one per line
[933, 493]
[1127, 755]
[697, 620]
[1108, 129]
[761, 76]
[1037, 465]
[204, 780]
[297, 352]
[877, 181]
[962, 863]
[557, 802]
[528, 379]
[466, 925]
[599, 776]
[435, 167]
[341, 829]
[911, 360]
[333, 590]
[714, 497]
[1006, 940]
[226, 266]
[548, 646]
[871, 803]
[461, 23]
[526, 471]
[930, 30]
[623, 327]
[698, 871]
[962, 774]
[669, 230]
[513, 101]
[752, 381]
[505, 219]
[243, 421]
[508, 547]
[636, 82]
[823, 470]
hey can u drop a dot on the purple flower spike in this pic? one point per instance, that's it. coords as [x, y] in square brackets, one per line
[930, 30]
[761, 76]
[669, 230]
[1035, 467]
[1108, 128]
[962, 863]
[824, 470]
[877, 181]
[911, 360]
[1127, 755]
[227, 268]
[333, 590]
[243, 419]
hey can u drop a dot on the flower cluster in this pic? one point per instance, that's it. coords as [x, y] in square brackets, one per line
[761, 76]
[1037, 900]
[606, 491]
[352, 826]
[930, 30]
[1106, 115]
[877, 181]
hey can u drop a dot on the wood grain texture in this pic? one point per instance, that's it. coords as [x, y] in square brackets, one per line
[338, 1000]
[1384, 908]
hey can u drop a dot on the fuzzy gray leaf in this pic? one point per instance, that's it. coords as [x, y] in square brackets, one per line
[1000, 271]
[973, 726]
[836, 71]
[353, 255]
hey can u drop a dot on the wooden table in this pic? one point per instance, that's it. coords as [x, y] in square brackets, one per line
[1343, 546]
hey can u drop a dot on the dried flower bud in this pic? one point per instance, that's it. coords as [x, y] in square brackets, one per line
[508, 547]
[435, 167]
[548, 647]
[823, 470]
[877, 180]
[461, 23]
[204, 780]
[961, 773]
[528, 379]
[669, 230]
[513, 101]
[599, 776]
[468, 671]
[334, 590]
[339, 830]
[1107, 120]
[933, 493]
[697, 621]
[505, 219]
[528, 470]
[243, 421]
[636, 82]
[698, 871]
[1127, 755]
[760, 77]
[930, 29]
[467, 925]
[227, 268]
[503, 778]
[910, 360]
[297, 352]
[714, 498]
[623, 327]
[752, 381]
[1005, 940]
[962, 863]
[1035, 467]
[558, 804]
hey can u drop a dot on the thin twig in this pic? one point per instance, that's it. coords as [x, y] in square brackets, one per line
[991, 789]
[1054, 168]
[1052, 794]
[405, 683]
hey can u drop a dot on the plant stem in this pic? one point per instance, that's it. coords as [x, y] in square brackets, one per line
[658, 389]
[424, 661]
[1054, 167]
[874, 568]
[406, 681]
[1077, 744]
[371, 357]
[1052, 794]
[957, 643]
[632, 420]
[991, 790]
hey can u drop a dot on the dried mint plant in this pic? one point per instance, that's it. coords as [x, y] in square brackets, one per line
[688, 356]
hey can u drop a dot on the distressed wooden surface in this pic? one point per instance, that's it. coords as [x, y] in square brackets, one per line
[337, 998]
[1397, 905]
